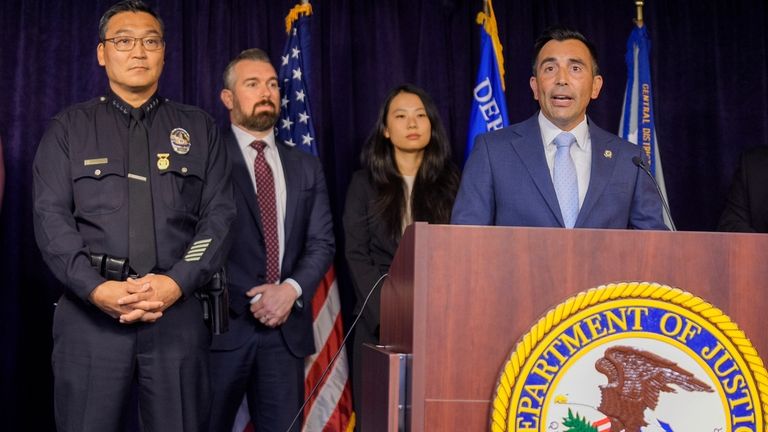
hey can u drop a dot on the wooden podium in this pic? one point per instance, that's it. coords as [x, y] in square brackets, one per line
[459, 297]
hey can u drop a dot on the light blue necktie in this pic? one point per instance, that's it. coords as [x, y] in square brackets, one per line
[564, 179]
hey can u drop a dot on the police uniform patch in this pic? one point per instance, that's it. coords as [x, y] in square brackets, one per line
[632, 357]
[180, 141]
[197, 250]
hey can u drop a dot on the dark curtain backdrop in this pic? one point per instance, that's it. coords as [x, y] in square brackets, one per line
[709, 73]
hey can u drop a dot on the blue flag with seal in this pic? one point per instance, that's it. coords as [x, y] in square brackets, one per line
[637, 121]
[295, 127]
[489, 108]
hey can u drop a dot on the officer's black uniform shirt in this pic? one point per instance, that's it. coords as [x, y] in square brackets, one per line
[81, 191]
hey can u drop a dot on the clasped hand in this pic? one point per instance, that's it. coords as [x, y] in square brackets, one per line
[136, 300]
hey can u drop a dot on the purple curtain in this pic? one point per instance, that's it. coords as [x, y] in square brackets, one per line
[709, 74]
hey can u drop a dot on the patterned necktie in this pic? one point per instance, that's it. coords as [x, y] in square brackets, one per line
[265, 194]
[142, 255]
[565, 180]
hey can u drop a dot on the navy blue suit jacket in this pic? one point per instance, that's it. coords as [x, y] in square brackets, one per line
[309, 245]
[506, 181]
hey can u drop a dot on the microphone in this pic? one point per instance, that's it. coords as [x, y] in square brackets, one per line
[640, 163]
[333, 359]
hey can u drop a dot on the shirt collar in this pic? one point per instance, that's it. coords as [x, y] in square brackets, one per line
[549, 131]
[244, 139]
[149, 107]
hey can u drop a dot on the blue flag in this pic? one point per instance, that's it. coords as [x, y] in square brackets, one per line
[295, 127]
[637, 120]
[489, 108]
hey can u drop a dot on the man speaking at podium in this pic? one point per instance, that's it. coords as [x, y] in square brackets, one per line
[558, 169]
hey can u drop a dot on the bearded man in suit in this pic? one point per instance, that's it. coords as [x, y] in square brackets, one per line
[282, 246]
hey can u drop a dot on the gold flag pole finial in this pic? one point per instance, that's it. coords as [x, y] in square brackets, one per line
[486, 10]
[639, 18]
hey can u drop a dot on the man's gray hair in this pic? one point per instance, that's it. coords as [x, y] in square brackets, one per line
[253, 54]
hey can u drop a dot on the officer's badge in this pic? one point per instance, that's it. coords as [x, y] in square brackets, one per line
[162, 161]
[180, 141]
[633, 357]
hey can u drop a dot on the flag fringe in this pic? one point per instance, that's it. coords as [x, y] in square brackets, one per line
[296, 13]
[352, 422]
[488, 21]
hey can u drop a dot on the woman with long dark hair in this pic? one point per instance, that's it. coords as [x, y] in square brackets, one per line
[407, 176]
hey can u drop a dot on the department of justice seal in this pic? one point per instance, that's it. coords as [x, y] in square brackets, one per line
[180, 141]
[632, 357]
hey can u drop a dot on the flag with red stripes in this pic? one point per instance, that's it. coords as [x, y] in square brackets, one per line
[329, 408]
[603, 425]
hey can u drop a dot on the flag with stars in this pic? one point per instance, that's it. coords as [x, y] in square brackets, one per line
[295, 126]
[327, 386]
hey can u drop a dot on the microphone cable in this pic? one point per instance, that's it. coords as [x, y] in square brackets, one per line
[338, 352]
[640, 163]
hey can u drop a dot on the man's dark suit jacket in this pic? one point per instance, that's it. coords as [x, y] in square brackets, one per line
[309, 245]
[746, 208]
[506, 181]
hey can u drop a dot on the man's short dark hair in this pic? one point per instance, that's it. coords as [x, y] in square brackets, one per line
[126, 6]
[560, 33]
[253, 54]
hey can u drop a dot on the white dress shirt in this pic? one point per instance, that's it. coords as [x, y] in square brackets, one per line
[244, 140]
[581, 153]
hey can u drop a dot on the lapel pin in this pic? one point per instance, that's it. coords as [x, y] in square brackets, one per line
[608, 154]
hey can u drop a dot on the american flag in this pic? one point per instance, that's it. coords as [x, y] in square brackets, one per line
[603, 425]
[329, 409]
[295, 126]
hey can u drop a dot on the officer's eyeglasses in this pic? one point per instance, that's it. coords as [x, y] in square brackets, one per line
[126, 43]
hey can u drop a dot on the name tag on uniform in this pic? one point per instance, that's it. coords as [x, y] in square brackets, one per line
[99, 161]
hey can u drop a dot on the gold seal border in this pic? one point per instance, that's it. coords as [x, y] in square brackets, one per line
[624, 290]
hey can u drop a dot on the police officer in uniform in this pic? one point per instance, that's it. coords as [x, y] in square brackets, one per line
[131, 175]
